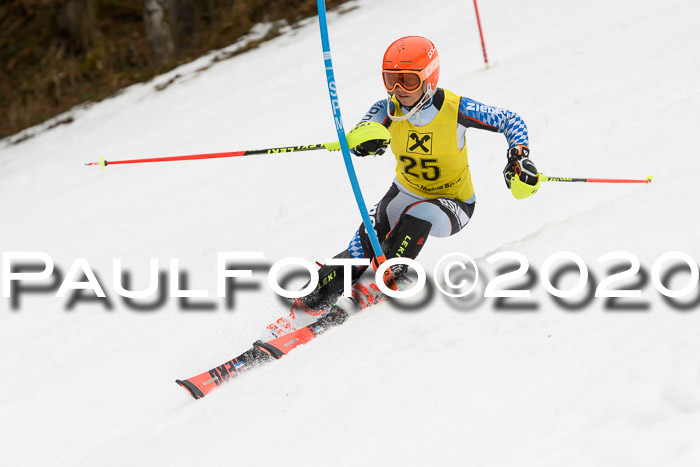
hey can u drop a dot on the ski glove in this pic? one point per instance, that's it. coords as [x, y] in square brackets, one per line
[374, 147]
[520, 165]
[520, 173]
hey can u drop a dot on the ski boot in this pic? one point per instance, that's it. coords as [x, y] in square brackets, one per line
[405, 240]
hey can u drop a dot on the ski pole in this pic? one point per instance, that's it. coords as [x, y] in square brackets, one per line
[545, 178]
[367, 131]
[313, 147]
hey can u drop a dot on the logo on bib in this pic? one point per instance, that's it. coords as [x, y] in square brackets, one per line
[419, 143]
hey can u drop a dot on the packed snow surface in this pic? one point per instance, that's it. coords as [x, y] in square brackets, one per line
[608, 88]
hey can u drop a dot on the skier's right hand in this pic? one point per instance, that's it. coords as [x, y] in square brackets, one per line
[374, 147]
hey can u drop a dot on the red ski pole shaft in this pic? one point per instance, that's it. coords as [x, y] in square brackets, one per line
[481, 34]
[216, 155]
[545, 178]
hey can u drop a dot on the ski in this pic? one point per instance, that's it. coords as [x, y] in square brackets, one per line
[262, 352]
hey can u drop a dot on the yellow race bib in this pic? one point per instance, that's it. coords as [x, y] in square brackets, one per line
[428, 161]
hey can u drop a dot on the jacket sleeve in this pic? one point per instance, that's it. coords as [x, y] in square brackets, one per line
[378, 113]
[473, 114]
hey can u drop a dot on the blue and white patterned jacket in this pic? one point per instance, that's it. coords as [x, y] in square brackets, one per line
[472, 114]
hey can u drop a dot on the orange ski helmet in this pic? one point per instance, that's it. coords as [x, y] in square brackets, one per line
[411, 62]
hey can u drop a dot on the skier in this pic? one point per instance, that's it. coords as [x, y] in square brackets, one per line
[432, 193]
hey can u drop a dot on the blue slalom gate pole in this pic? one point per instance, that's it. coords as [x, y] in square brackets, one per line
[335, 105]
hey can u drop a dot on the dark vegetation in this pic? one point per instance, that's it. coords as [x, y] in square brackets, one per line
[56, 54]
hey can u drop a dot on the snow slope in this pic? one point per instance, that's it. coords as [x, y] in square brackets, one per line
[607, 88]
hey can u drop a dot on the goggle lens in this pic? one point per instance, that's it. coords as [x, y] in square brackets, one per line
[409, 81]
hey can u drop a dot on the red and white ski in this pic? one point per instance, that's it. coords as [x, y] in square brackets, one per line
[262, 352]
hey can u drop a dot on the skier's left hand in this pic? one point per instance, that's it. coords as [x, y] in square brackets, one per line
[519, 165]
[520, 173]
[374, 147]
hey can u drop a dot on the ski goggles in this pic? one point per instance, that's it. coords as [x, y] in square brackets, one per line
[407, 80]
